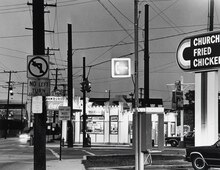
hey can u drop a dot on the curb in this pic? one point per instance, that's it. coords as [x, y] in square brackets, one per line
[146, 166]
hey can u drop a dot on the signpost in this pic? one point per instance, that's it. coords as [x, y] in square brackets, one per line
[38, 75]
[64, 114]
[199, 53]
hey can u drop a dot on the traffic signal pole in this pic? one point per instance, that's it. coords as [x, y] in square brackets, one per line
[84, 103]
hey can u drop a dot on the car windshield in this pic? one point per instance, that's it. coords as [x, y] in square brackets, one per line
[27, 130]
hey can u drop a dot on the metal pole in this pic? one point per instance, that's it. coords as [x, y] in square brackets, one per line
[22, 100]
[182, 115]
[84, 103]
[211, 15]
[139, 164]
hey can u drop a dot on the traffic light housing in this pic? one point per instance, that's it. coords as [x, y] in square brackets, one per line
[11, 91]
[86, 86]
[82, 86]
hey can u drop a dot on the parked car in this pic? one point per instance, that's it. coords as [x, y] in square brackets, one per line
[204, 157]
[189, 139]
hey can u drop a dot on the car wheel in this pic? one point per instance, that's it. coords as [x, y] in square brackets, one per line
[174, 143]
[198, 163]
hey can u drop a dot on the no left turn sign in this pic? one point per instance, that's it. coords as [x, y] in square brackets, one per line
[38, 66]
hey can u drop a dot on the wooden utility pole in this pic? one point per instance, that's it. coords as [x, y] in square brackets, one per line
[39, 119]
[146, 57]
[7, 110]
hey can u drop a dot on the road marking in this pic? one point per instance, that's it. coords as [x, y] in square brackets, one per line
[90, 153]
[54, 153]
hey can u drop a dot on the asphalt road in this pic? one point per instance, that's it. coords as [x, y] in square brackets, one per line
[16, 156]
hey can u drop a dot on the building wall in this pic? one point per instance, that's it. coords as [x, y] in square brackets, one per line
[113, 124]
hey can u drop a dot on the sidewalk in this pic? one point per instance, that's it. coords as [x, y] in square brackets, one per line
[169, 158]
[67, 164]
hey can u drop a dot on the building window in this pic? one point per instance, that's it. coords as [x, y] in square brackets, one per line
[113, 125]
[95, 124]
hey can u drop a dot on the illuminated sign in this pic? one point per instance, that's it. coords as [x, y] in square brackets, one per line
[54, 102]
[121, 67]
[200, 52]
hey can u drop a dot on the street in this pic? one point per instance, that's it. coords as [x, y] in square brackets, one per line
[17, 156]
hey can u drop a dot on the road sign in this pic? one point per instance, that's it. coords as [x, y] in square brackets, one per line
[200, 52]
[38, 87]
[121, 67]
[37, 66]
[37, 105]
[64, 113]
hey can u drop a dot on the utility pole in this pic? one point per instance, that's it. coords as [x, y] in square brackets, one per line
[146, 57]
[141, 93]
[39, 119]
[22, 100]
[70, 87]
[7, 110]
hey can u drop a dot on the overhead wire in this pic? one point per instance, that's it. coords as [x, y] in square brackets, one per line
[167, 20]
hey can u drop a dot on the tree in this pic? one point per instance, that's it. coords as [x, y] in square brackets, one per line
[190, 96]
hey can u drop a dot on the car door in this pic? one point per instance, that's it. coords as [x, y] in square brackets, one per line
[217, 153]
[212, 154]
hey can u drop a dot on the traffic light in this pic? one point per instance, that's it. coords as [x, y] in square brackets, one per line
[85, 86]
[178, 85]
[82, 86]
[11, 91]
[88, 85]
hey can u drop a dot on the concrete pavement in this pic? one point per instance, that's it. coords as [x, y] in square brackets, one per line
[163, 160]
[66, 164]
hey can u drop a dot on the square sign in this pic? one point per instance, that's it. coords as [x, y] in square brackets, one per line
[37, 106]
[64, 113]
[38, 87]
[121, 67]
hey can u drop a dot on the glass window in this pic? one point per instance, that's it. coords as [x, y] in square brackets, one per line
[114, 124]
[95, 124]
